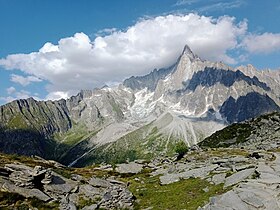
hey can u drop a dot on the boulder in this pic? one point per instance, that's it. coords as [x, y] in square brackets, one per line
[238, 177]
[91, 207]
[201, 172]
[132, 167]
[25, 176]
[59, 186]
[251, 199]
[97, 182]
[230, 200]
[116, 197]
[90, 191]
[219, 178]
[28, 193]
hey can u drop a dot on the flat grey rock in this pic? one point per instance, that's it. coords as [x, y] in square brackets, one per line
[219, 161]
[251, 199]
[169, 178]
[18, 167]
[219, 178]
[238, 177]
[242, 167]
[209, 207]
[60, 185]
[46, 185]
[231, 200]
[67, 206]
[89, 191]
[195, 173]
[74, 198]
[222, 169]
[28, 193]
[264, 168]
[97, 182]
[238, 159]
[91, 207]
[132, 167]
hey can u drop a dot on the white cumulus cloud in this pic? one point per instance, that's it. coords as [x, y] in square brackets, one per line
[186, 2]
[11, 90]
[81, 63]
[263, 43]
[14, 95]
[58, 95]
[24, 81]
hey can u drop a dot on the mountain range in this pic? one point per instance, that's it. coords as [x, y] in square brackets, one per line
[143, 117]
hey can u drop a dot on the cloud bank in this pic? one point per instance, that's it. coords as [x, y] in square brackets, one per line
[264, 43]
[24, 81]
[81, 63]
[13, 94]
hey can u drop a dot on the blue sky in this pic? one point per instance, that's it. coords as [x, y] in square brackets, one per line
[91, 43]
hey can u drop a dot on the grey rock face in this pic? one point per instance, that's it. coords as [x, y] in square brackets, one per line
[210, 76]
[91, 207]
[92, 107]
[90, 191]
[46, 117]
[27, 125]
[148, 81]
[247, 107]
[25, 181]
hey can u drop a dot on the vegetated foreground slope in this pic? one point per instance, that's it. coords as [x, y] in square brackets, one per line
[201, 179]
[259, 133]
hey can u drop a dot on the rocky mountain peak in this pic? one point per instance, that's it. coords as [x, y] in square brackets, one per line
[187, 51]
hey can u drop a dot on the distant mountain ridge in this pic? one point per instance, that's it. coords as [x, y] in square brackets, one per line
[146, 115]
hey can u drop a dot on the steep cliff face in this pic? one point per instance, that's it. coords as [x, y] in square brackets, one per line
[247, 107]
[150, 80]
[27, 126]
[44, 117]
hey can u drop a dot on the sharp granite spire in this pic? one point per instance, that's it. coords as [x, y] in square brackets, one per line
[187, 51]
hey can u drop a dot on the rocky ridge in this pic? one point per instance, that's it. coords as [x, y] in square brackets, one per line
[48, 185]
[258, 133]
